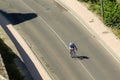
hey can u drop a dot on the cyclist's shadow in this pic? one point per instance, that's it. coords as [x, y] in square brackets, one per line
[81, 57]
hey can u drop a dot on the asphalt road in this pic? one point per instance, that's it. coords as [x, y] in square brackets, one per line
[48, 28]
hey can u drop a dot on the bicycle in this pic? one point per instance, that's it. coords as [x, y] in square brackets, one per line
[72, 48]
[72, 53]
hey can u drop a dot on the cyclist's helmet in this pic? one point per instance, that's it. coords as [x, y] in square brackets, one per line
[71, 44]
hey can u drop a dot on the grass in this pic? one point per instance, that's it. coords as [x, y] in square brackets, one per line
[93, 8]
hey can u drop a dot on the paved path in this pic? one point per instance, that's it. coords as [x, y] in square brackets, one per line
[94, 25]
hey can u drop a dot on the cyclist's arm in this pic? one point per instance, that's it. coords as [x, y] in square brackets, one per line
[75, 47]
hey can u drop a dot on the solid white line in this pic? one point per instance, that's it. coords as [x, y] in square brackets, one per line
[68, 49]
[90, 30]
[65, 45]
[54, 32]
[61, 40]
[93, 33]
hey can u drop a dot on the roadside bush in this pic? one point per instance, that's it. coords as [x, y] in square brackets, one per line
[111, 10]
[112, 14]
[95, 8]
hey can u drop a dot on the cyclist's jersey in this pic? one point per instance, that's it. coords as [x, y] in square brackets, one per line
[71, 45]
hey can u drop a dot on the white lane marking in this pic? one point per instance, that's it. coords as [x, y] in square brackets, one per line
[65, 45]
[54, 32]
[100, 41]
[61, 41]
[90, 30]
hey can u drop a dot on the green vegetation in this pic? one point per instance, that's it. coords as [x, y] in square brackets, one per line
[8, 59]
[111, 13]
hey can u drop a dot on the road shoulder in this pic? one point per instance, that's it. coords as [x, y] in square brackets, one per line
[90, 21]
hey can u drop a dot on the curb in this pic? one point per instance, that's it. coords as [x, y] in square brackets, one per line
[30, 54]
[34, 66]
[89, 22]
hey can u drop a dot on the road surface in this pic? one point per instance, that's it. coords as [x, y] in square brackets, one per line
[48, 28]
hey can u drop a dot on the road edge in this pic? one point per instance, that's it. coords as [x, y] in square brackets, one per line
[32, 63]
[89, 25]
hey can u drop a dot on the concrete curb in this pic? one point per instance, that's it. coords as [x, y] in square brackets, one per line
[94, 26]
[34, 66]
[30, 54]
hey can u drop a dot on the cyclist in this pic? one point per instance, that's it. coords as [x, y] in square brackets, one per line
[72, 48]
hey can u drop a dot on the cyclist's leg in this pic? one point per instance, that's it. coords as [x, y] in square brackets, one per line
[72, 53]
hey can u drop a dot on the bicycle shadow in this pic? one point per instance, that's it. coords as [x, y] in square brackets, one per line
[81, 57]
